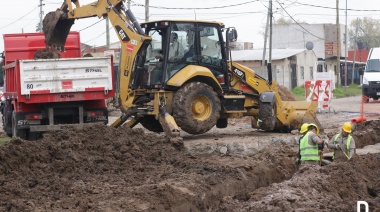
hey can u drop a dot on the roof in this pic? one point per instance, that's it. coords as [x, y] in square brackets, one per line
[186, 21]
[257, 54]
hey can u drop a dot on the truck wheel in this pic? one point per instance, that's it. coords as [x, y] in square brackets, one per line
[267, 115]
[15, 132]
[151, 124]
[196, 108]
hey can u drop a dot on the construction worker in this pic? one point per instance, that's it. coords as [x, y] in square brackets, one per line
[343, 144]
[303, 130]
[309, 146]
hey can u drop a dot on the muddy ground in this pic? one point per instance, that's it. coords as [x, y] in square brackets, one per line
[104, 169]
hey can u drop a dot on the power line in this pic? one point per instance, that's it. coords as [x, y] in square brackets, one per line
[298, 23]
[19, 18]
[193, 8]
[91, 25]
[312, 5]
[97, 36]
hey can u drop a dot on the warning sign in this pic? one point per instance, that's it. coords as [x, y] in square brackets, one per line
[129, 48]
[319, 91]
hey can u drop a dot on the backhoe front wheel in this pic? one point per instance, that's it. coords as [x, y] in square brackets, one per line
[267, 115]
[196, 108]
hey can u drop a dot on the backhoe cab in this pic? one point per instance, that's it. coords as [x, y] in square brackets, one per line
[178, 75]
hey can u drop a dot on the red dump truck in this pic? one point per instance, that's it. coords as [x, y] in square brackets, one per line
[50, 94]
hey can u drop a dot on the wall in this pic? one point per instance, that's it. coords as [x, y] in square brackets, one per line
[281, 68]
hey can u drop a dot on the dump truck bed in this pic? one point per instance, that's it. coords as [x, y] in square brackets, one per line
[59, 80]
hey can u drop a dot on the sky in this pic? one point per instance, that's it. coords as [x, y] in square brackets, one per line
[247, 16]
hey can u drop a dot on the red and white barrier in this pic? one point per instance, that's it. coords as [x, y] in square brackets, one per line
[319, 91]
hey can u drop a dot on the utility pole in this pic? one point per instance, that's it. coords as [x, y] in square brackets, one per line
[338, 42]
[41, 17]
[355, 46]
[146, 10]
[345, 53]
[107, 34]
[270, 44]
[266, 37]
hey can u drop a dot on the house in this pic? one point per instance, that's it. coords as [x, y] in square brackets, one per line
[290, 67]
[322, 38]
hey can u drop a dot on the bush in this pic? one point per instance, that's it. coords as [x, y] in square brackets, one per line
[338, 92]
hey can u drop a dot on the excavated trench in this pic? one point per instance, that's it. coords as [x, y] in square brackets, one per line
[101, 168]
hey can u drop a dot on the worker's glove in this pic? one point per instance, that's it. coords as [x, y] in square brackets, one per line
[321, 146]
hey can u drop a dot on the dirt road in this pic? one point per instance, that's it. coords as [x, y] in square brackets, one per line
[233, 169]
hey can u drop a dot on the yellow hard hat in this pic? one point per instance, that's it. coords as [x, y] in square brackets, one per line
[347, 127]
[304, 127]
[316, 127]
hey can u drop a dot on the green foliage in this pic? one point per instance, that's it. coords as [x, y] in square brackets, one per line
[4, 138]
[351, 90]
[299, 92]
[365, 32]
[339, 92]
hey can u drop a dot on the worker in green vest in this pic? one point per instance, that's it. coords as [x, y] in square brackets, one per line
[303, 130]
[343, 144]
[309, 146]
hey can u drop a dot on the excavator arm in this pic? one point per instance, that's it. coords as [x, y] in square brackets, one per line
[57, 24]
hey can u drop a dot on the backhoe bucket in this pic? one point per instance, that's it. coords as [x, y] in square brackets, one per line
[56, 28]
[300, 112]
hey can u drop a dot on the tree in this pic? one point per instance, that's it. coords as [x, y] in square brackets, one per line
[282, 20]
[364, 32]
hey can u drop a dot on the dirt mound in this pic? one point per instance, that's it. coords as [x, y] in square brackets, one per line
[102, 168]
[106, 169]
[47, 54]
[285, 93]
[367, 133]
[336, 187]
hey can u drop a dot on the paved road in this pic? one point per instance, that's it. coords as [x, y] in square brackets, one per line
[353, 104]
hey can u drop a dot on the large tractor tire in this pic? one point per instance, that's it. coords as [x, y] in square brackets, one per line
[196, 108]
[267, 115]
[151, 124]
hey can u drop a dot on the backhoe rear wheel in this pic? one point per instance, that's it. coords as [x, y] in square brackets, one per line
[267, 115]
[150, 123]
[196, 108]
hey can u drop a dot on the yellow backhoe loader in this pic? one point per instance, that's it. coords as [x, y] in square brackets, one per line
[179, 75]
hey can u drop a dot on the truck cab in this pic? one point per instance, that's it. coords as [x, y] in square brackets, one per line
[371, 77]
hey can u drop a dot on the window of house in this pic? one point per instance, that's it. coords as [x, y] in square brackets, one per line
[302, 72]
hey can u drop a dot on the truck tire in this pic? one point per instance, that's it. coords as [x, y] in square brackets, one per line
[196, 108]
[15, 132]
[267, 115]
[150, 123]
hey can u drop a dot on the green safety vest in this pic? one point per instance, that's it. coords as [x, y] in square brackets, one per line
[308, 152]
[348, 143]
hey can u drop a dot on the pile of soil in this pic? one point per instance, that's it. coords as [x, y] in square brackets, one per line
[285, 93]
[336, 187]
[47, 54]
[100, 168]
